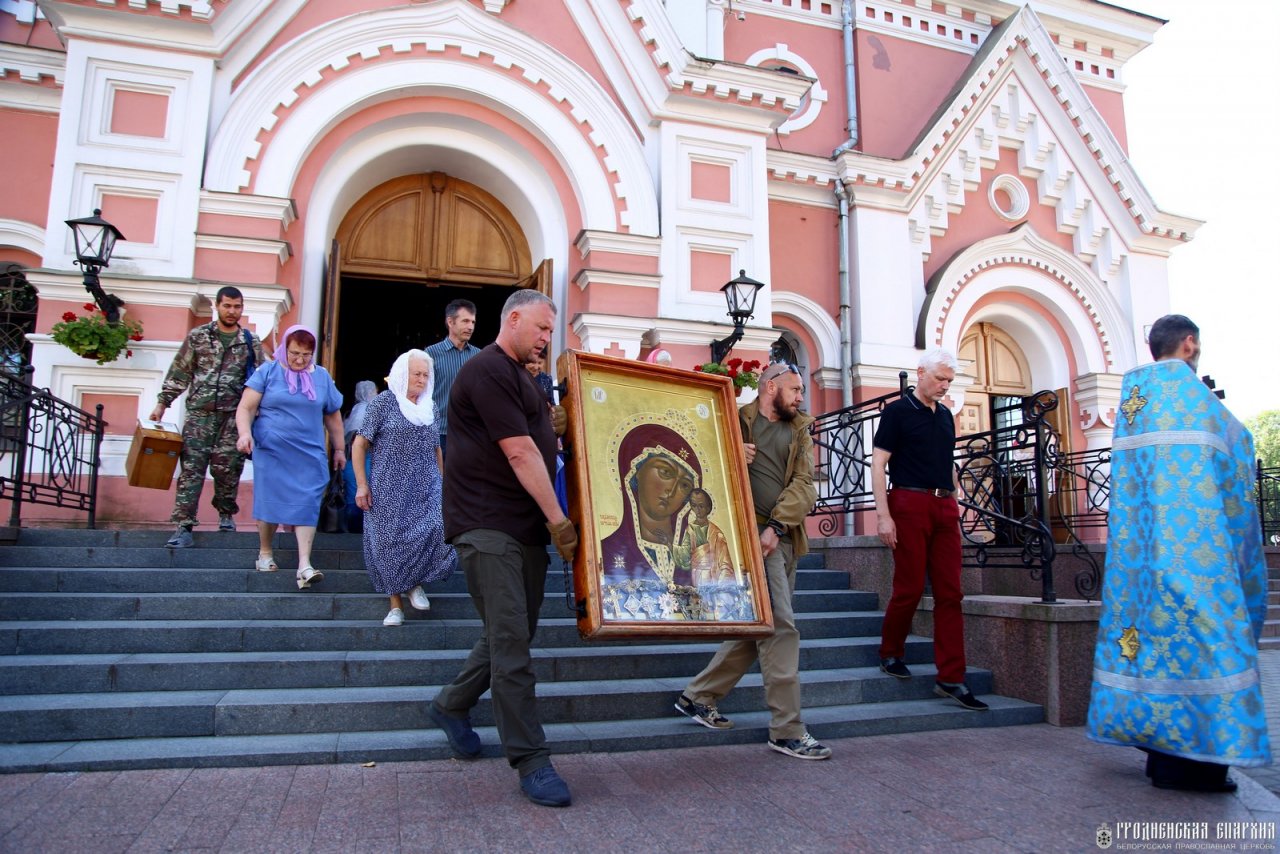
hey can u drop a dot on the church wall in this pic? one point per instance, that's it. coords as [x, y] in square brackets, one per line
[900, 85]
[28, 141]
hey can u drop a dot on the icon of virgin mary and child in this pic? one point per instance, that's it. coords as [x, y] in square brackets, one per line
[667, 560]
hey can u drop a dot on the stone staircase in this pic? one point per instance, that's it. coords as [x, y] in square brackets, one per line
[116, 653]
[1271, 628]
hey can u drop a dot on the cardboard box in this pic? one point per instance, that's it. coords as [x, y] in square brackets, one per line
[153, 455]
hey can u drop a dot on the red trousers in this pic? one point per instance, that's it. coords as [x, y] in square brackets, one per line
[928, 543]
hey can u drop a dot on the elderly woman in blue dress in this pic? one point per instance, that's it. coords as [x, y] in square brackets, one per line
[288, 407]
[404, 545]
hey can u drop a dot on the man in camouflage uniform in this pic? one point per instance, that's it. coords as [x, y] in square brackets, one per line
[211, 366]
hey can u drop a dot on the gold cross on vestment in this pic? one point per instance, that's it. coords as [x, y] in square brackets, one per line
[1129, 643]
[1133, 405]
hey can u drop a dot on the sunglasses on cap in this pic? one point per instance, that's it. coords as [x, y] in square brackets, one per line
[777, 369]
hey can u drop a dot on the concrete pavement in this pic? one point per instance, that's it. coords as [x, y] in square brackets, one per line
[1031, 788]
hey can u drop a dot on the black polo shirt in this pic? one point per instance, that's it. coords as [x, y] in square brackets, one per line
[922, 442]
[494, 398]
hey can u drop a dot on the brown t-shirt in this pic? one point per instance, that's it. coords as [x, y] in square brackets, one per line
[494, 398]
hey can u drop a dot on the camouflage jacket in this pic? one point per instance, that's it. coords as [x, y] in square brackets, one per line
[212, 376]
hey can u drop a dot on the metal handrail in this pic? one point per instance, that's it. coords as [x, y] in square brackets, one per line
[1268, 486]
[50, 451]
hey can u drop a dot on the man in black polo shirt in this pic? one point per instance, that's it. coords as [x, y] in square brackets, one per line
[920, 520]
[497, 494]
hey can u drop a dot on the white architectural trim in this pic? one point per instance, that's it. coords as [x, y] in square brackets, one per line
[1023, 262]
[815, 320]
[283, 211]
[462, 147]
[490, 46]
[33, 63]
[817, 94]
[617, 243]
[1022, 97]
[30, 98]
[22, 235]
[255, 245]
[601, 332]
[586, 278]
[666, 331]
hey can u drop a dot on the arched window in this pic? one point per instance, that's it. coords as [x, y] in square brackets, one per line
[17, 317]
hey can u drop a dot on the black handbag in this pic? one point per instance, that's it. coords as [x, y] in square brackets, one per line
[333, 506]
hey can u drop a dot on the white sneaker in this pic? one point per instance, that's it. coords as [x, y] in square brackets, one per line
[394, 618]
[418, 599]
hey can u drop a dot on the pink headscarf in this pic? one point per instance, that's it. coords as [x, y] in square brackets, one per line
[299, 379]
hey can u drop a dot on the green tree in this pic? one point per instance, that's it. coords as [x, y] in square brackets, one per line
[1265, 427]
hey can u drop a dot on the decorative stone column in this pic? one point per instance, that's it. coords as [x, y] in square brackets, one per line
[1098, 397]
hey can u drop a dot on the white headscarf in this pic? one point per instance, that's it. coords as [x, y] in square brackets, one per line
[421, 412]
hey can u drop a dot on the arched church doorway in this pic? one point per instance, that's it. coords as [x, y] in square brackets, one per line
[1001, 375]
[403, 252]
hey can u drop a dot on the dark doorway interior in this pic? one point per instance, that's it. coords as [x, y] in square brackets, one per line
[380, 319]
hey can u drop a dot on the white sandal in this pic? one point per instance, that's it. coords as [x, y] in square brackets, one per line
[308, 575]
[265, 563]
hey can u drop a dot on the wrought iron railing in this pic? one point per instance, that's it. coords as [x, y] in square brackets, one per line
[1268, 480]
[1024, 500]
[50, 451]
[842, 472]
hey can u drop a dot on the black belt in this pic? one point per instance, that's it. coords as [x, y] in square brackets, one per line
[936, 493]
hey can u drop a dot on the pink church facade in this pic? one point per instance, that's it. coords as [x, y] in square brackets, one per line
[901, 175]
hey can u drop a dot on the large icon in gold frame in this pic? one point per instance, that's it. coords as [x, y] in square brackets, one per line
[658, 487]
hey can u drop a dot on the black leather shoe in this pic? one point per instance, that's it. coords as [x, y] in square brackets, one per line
[961, 695]
[1226, 786]
[895, 667]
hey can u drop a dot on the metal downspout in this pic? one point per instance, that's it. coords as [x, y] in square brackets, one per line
[846, 318]
[850, 79]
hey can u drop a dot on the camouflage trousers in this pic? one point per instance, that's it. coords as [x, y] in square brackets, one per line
[208, 442]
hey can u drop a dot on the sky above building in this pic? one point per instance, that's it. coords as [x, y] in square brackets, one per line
[1203, 110]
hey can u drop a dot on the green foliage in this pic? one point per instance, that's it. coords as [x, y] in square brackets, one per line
[1265, 427]
[92, 337]
[743, 374]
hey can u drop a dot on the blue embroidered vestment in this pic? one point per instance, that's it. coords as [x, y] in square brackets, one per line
[1184, 595]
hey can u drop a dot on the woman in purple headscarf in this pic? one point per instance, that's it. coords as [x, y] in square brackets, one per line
[287, 407]
[659, 470]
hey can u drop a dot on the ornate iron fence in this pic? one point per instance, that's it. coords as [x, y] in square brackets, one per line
[842, 471]
[50, 451]
[1025, 499]
[1268, 480]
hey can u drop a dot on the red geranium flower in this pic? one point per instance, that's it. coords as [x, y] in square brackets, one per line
[128, 353]
[90, 307]
[697, 367]
[734, 363]
[136, 337]
[67, 317]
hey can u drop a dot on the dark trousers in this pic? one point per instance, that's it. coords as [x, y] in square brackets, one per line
[506, 580]
[928, 544]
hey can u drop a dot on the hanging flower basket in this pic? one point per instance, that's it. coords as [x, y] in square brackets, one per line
[92, 337]
[743, 374]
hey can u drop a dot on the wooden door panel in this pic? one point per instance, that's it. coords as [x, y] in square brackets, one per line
[478, 245]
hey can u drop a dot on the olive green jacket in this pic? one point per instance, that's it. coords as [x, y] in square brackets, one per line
[799, 495]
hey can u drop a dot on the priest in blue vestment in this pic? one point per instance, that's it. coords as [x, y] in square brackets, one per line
[1175, 671]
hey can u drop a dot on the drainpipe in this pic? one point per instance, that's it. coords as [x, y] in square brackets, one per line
[846, 319]
[850, 88]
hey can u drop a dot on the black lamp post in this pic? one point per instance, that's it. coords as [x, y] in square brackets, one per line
[95, 240]
[740, 294]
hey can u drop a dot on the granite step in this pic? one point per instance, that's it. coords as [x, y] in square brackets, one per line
[670, 730]
[193, 671]
[174, 714]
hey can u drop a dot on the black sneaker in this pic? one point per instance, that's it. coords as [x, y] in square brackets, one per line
[961, 695]
[708, 716]
[895, 667]
[462, 738]
[545, 787]
[226, 523]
